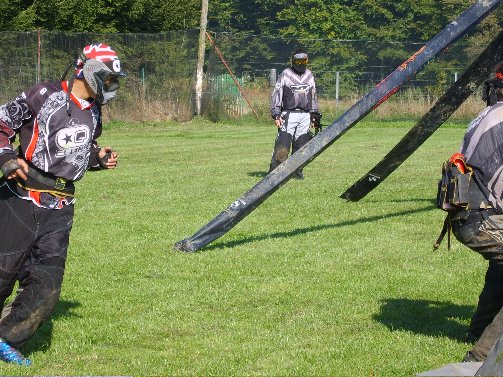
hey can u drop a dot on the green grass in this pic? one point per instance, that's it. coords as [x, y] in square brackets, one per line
[307, 284]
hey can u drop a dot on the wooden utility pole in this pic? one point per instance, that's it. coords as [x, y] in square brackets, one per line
[200, 55]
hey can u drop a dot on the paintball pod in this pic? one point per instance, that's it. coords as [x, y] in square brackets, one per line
[316, 121]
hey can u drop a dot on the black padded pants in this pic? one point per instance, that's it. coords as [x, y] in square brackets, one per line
[483, 232]
[33, 248]
[282, 148]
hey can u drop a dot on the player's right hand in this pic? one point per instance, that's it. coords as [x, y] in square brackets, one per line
[20, 172]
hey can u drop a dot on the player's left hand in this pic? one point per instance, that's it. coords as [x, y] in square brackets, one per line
[111, 161]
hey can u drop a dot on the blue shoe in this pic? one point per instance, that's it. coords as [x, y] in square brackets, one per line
[11, 355]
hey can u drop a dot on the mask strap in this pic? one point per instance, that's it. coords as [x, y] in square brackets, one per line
[63, 76]
[68, 94]
[492, 94]
[70, 85]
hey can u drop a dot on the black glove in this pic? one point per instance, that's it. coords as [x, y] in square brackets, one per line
[102, 161]
[276, 116]
[10, 166]
[315, 117]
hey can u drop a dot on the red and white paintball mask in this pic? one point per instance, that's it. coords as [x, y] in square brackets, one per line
[100, 66]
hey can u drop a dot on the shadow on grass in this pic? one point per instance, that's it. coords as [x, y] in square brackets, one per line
[433, 318]
[41, 341]
[433, 201]
[260, 174]
[315, 228]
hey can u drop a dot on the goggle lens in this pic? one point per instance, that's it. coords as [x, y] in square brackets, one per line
[111, 83]
[302, 61]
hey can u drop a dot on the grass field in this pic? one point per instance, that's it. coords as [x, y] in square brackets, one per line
[308, 284]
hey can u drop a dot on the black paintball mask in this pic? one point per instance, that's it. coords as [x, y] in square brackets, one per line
[489, 95]
[299, 61]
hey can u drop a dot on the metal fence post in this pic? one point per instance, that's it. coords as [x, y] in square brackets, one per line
[39, 53]
[336, 91]
[272, 77]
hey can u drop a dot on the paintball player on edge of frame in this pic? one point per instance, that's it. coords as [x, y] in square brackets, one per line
[481, 228]
[294, 107]
[57, 124]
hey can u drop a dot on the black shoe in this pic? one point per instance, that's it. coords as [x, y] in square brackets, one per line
[471, 337]
[470, 357]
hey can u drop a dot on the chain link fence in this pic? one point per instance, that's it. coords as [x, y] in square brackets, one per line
[161, 69]
[344, 70]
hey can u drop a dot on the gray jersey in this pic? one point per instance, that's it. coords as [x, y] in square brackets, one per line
[294, 91]
[483, 148]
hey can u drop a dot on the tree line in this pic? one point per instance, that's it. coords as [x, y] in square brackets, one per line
[403, 20]
[342, 36]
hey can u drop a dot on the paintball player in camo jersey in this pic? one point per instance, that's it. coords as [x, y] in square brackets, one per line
[57, 124]
[481, 228]
[294, 103]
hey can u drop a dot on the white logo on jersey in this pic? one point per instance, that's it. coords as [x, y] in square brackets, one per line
[69, 139]
[300, 88]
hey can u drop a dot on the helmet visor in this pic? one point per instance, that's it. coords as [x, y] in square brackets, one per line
[299, 61]
[111, 83]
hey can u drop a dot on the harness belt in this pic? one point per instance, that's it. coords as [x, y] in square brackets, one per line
[460, 196]
[38, 180]
[477, 207]
[446, 229]
[298, 111]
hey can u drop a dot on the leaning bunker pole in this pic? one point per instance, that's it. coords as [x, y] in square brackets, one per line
[452, 99]
[250, 200]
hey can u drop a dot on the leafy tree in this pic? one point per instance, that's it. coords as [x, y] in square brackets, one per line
[380, 31]
[13, 16]
[315, 19]
[156, 16]
[104, 16]
[253, 16]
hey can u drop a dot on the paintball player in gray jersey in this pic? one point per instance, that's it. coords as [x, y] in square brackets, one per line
[481, 227]
[57, 124]
[294, 104]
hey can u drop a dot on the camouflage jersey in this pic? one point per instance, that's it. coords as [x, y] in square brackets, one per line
[483, 148]
[294, 92]
[50, 139]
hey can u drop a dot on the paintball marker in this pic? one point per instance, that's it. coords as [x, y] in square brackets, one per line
[316, 121]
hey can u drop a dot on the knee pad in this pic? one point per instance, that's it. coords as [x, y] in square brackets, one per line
[41, 285]
[34, 303]
[282, 146]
